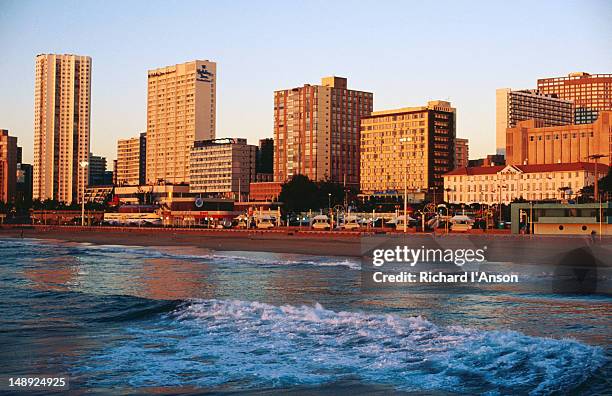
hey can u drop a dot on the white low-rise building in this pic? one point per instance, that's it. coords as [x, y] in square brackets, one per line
[495, 184]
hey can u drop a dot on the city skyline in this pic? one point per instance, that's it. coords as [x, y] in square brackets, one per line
[258, 57]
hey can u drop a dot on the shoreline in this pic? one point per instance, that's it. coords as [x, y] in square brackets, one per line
[502, 247]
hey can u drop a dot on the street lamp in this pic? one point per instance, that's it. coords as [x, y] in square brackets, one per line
[402, 140]
[596, 157]
[83, 165]
[445, 220]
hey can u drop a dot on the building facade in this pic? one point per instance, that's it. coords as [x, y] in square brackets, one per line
[416, 142]
[131, 161]
[512, 107]
[462, 152]
[222, 168]
[503, 184]
[8, 166]
[181, 108]
[264, 191]
[62, 108]
[530, 143]
[590, 93]
[316, 131]
[97, 168]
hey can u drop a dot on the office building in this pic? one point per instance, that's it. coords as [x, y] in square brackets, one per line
[515, 106]
[416, 143]
[590, 93]
[222, 168]
[8, 166]
[181, 103]
[462, 152]
[62, 107]
[316, 131]
[503, 184]
[530, 143]
[130, 168]
[97, 168]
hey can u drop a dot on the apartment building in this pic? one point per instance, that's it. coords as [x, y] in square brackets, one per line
[515, 106]
[590, 93]
[416, 143]
[130, 168]
[8, 166]
[531, 143]
[494, 184]
[316, 131]
[62, 108]
[181, 108]
[462, 152]
[222, 168]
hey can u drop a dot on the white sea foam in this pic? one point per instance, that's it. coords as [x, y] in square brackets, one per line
[214, 342]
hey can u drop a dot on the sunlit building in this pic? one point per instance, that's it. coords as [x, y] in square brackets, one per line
[531, 143]
[505, 183]
[181, 108]
[62, 108]
[316, 131]
[416, 143]
[511, 107]
[590, 93]
[131, 162]
[222, 168]
[8, 166]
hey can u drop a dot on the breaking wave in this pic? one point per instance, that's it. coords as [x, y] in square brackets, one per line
[209, 343]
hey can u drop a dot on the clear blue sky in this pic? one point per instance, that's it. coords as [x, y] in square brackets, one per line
[406, 52]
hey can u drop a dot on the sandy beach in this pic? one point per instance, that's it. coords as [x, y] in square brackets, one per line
[501, 247]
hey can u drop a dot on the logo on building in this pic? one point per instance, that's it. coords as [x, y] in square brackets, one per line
[204, 74]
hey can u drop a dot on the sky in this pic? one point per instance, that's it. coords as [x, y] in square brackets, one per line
[405, 52]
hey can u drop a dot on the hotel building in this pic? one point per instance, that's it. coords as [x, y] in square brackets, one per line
[515, 106]
[591, 93]
[222, 168]
[316, 131]
[495, 184]
[181, 103]
[130, 168]
[415, 141]
[531, 143]
[8, 166]
[462, 152]
[62, 108]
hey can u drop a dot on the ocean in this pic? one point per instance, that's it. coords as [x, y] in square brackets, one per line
[131, 319]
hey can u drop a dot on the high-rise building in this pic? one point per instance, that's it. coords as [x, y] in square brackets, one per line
[62, 108]
[316, 131]
[181, 103]
[131, 165]
[97, 167]
[222, 168]
[462, 153]
[412, 143]
[591, 93]
[514, 106]
[8, 166]
[531, 143]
